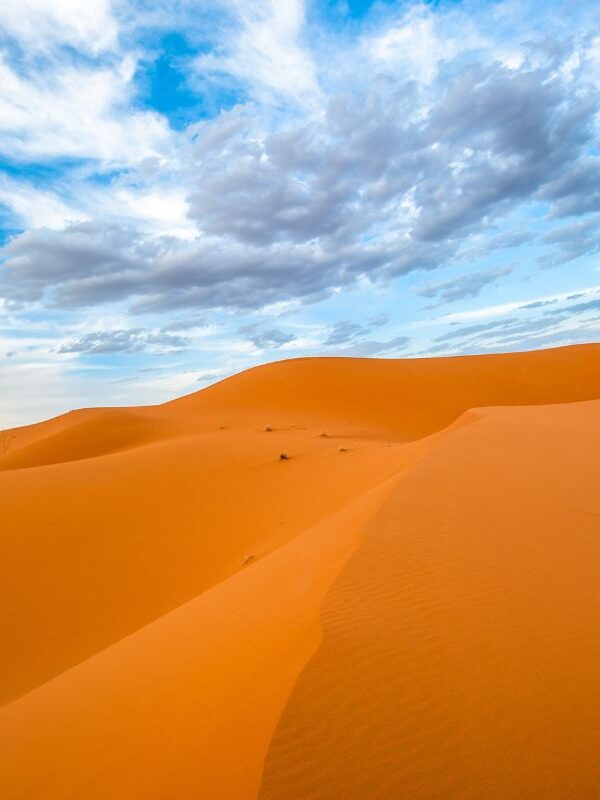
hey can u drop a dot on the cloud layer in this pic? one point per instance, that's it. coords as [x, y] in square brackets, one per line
[316, 166]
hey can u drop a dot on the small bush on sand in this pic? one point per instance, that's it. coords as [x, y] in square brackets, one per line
[268, 429]
[283, 457]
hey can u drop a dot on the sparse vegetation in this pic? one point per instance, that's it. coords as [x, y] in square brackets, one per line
[268, 429]
[283, 457]
[342, 449]
[247, 560]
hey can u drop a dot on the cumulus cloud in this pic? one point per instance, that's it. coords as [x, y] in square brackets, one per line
[42, 24]
[300, 177]
[576, 190]
[83, 264]
[344, 331]
[563, 323]
[418, 44]
[372, 348]
[123, 341]
[372, 187]
[267, 339]
[262, 50]
[186, 323]
[485, 244]
[67, 86]
[469, 285]
[76, 111]
[378, 320]
[97, 262]
[572, 241]
[36, 207]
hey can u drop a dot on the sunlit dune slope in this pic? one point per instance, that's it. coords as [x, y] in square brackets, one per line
[95, 548]
[81, 435]
[407, 606]
[406, 398]
[461, 642]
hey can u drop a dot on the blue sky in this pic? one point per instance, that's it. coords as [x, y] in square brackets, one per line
[193, 188]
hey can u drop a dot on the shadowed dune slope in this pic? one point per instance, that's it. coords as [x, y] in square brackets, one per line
[186, 706]
[406, 607]
[93, 549]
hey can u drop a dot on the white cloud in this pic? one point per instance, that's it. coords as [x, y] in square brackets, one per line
[76, 112]
[278, 205]
[264, 51]
[506, 308]
[36, 208]
[40, 24]
[165, 210]
[421, 41]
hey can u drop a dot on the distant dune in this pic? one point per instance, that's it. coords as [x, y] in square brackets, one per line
[405, 606]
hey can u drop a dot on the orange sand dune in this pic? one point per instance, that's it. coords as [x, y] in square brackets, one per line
[461, 642]
[407, 607]
[407, 398]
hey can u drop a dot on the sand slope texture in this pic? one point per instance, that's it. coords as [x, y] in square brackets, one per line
[406, 606]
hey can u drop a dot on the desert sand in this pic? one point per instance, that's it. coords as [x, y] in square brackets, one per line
[407, 606]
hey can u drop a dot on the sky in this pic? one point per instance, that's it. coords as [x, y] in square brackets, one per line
[191, 188]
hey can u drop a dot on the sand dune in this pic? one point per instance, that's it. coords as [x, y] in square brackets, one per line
[461, 642]
[406, 607]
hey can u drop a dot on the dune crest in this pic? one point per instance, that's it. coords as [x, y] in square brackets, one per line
[404, 607]
[458, 655]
